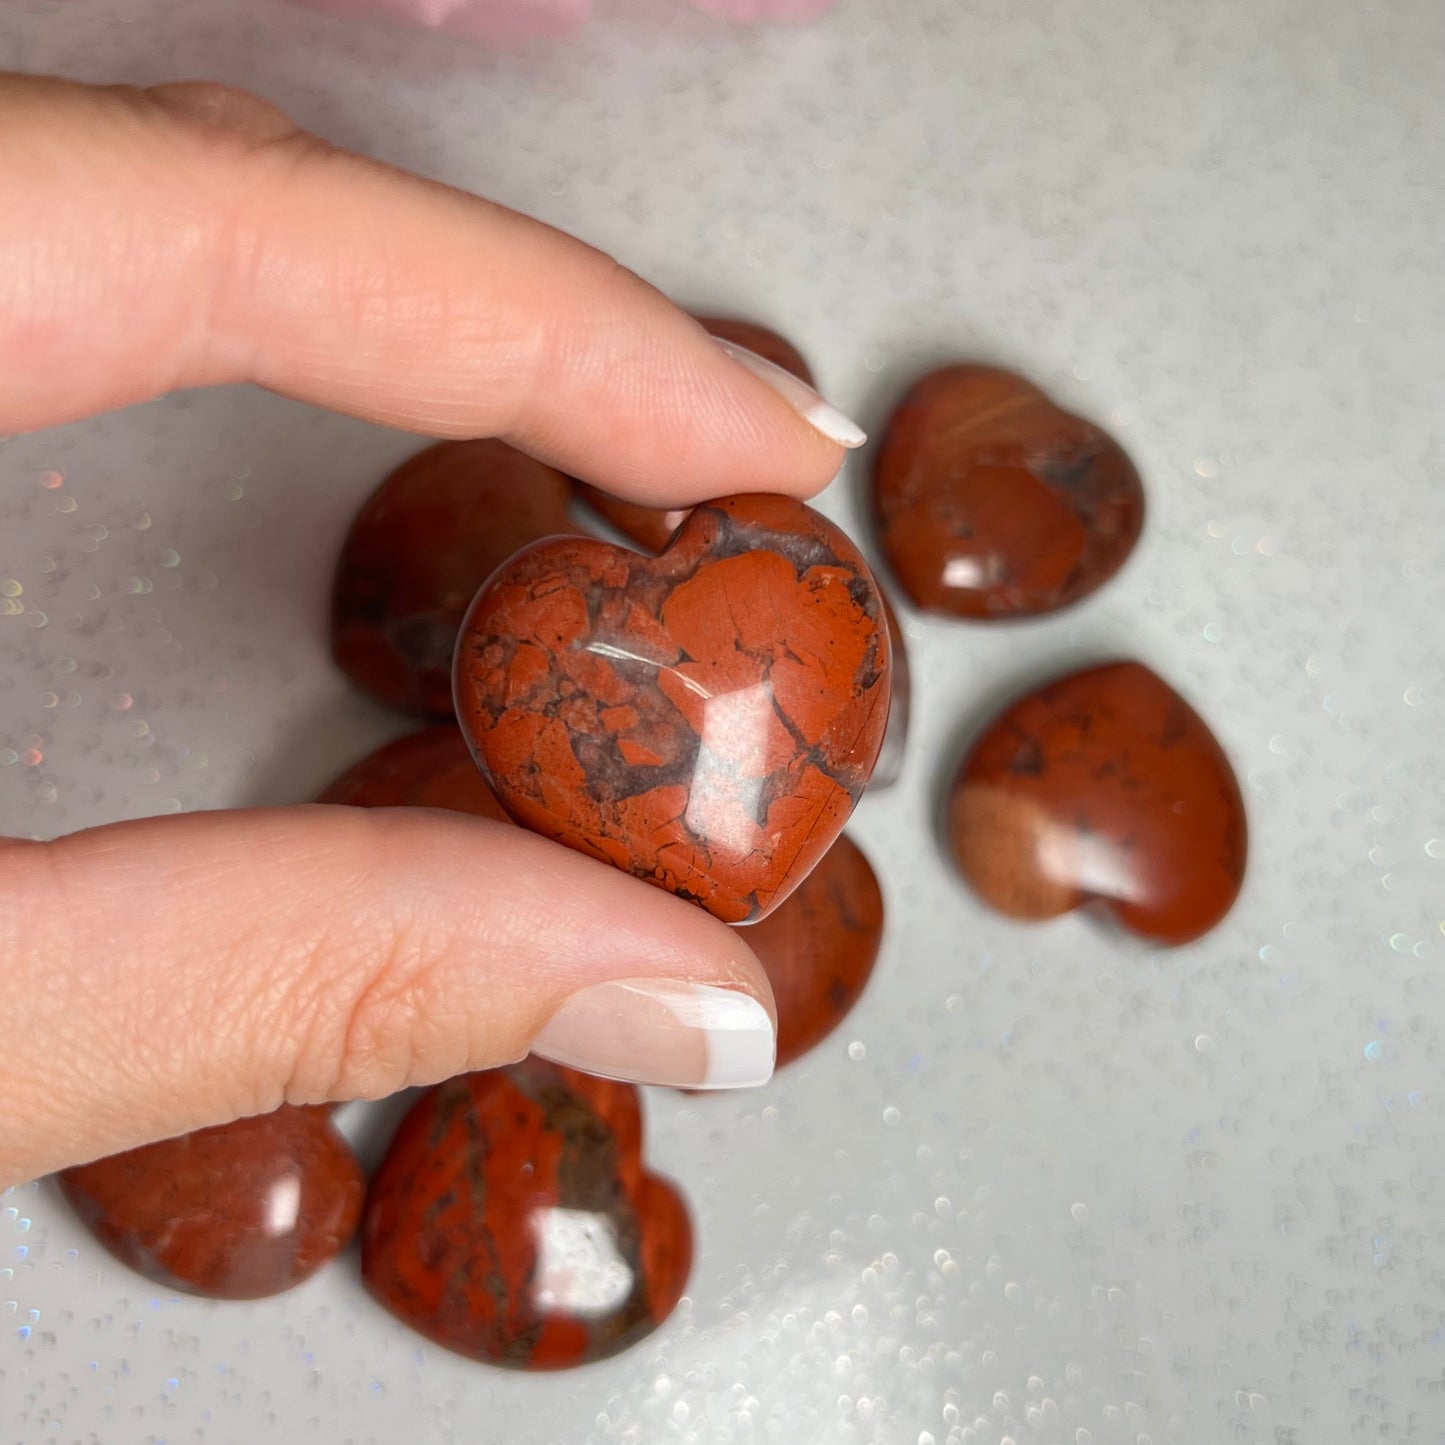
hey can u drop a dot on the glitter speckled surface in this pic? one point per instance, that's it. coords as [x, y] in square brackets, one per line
[1044, 1185]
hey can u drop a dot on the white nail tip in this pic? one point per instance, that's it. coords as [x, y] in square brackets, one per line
[663, 1031]
[739, 1034]
[819, 413]
[827, 419]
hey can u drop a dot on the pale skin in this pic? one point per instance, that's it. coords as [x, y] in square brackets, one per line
[173, 973]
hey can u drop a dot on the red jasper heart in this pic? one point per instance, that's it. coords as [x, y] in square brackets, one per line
[895, 739]
[512, 1220]
[429, 769]
[818, 949]
[422, 544]
[992, 502]
[650, 527]
[1103, 786]
[706, 719]
[236, 1212]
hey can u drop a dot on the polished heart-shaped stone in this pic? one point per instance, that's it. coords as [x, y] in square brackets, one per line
[240, 1211]
[421, 545]
[432, 768]
[650, 527]
[1106, 787]
[512, 1220]
[705, 719]
[818, 949]
[895, 740]
[992, 502]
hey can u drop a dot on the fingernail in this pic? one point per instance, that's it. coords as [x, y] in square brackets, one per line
[820, 414]
[660, 1031]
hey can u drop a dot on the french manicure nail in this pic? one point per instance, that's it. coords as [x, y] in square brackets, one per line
[661, 1031]
[820, 414]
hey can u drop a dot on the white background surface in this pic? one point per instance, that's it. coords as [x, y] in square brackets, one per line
[1044, 1185]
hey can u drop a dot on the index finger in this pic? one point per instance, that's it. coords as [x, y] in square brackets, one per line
[151, 240]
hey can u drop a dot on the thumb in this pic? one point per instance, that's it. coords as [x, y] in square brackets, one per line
[175, 973]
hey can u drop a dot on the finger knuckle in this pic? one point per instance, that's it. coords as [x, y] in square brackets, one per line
[372, 1005]
[211, 106]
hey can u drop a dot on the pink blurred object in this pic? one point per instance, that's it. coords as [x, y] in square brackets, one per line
[509, 22]
[499, 22]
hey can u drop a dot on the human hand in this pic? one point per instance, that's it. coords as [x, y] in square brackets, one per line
[168, 974]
